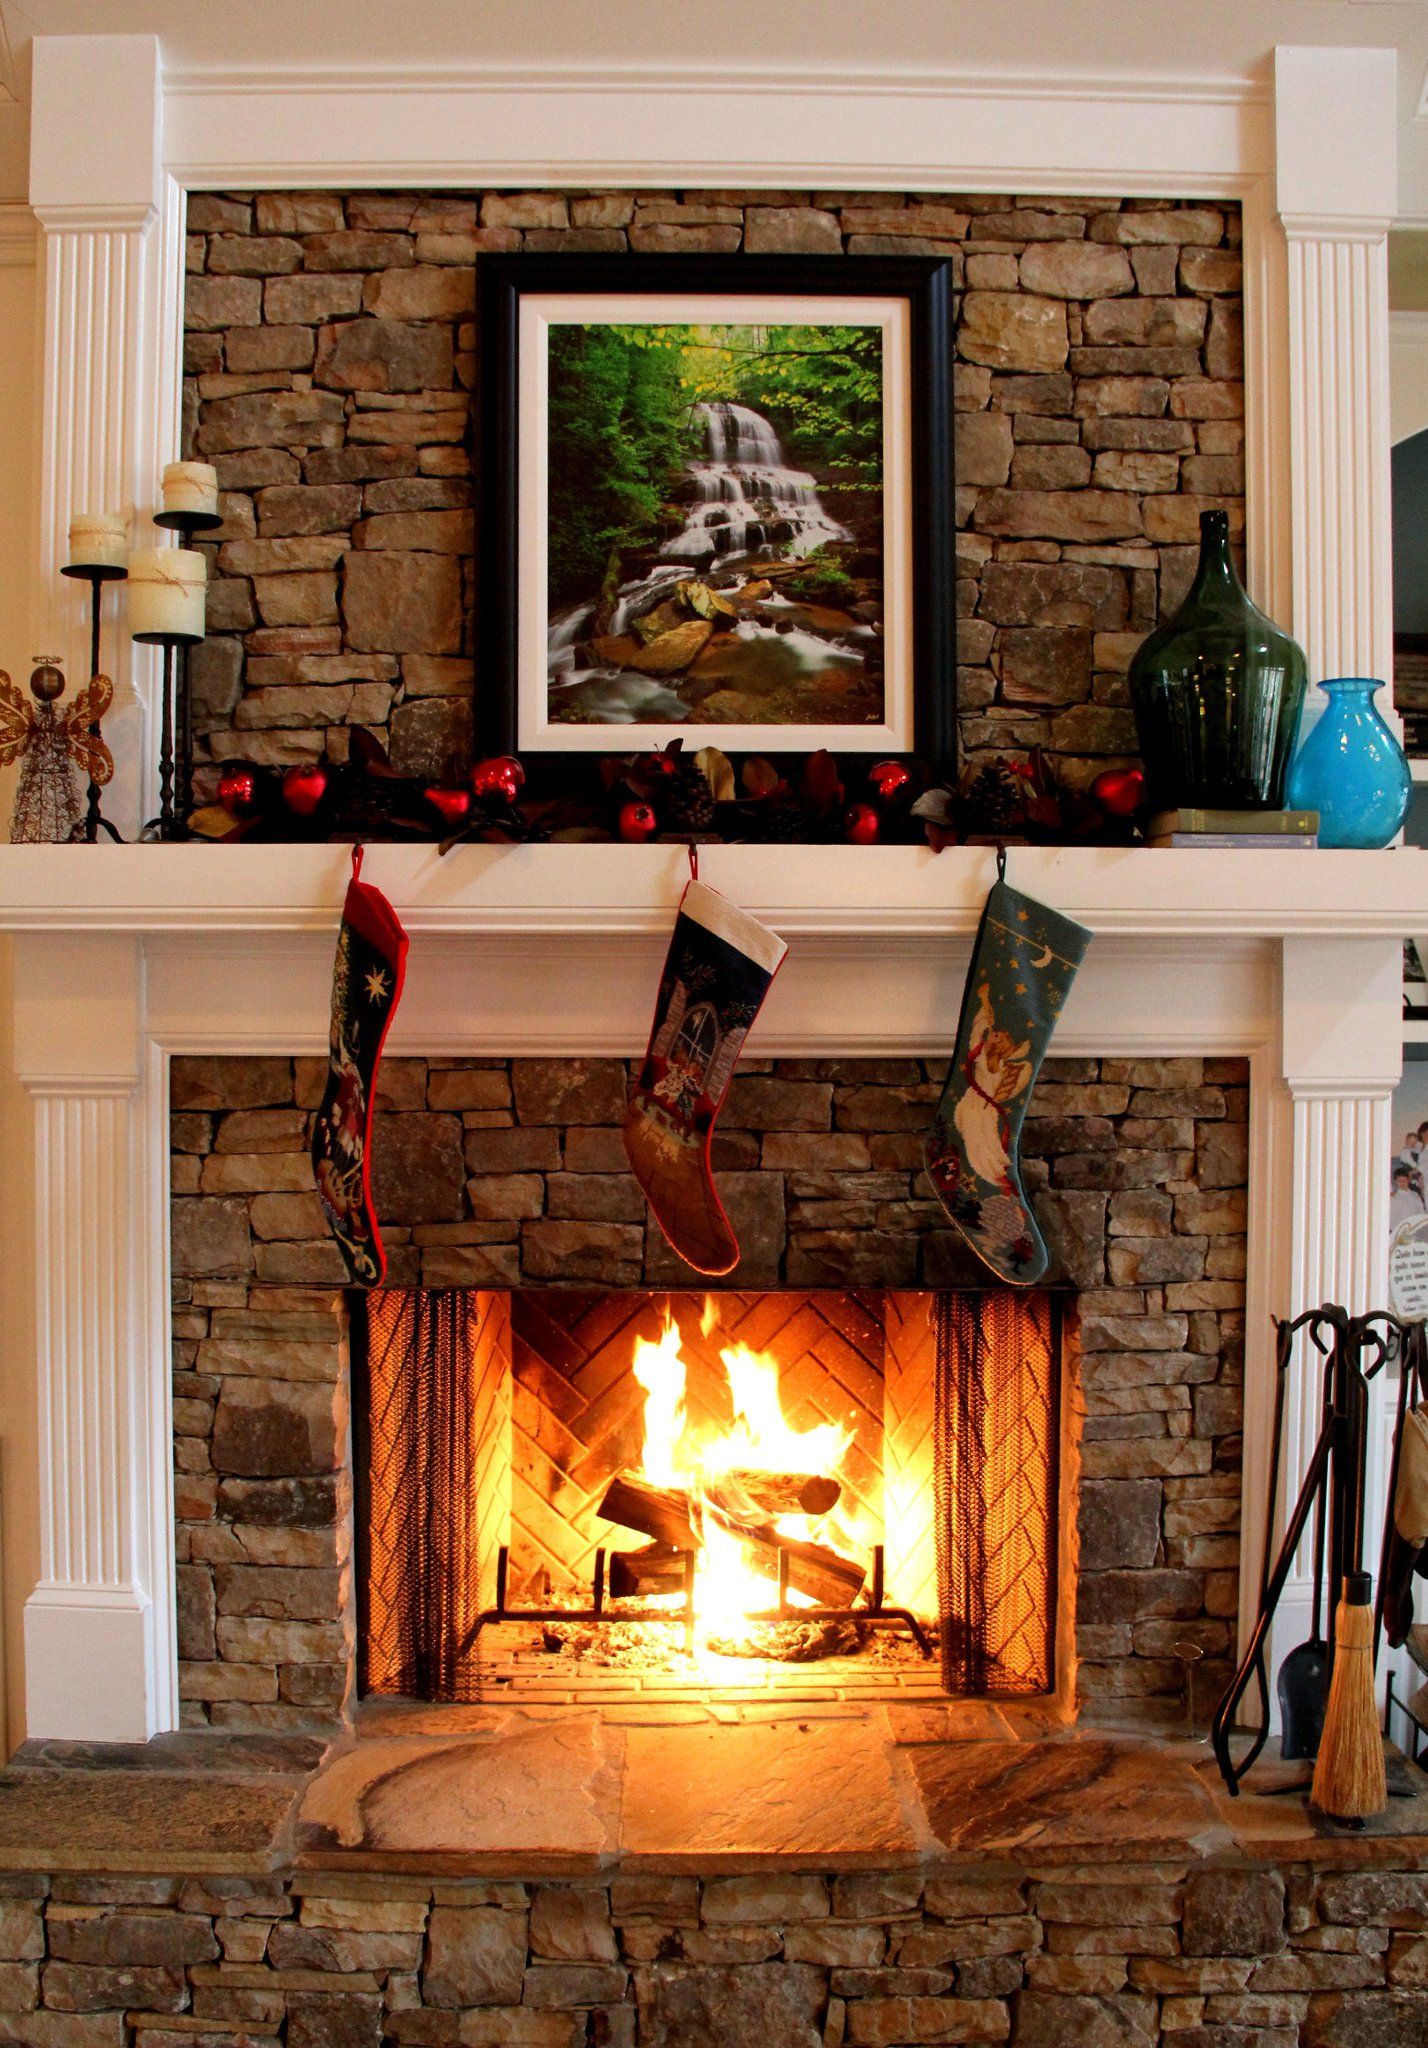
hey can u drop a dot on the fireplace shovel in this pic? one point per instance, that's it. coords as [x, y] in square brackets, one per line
[1304, 1675]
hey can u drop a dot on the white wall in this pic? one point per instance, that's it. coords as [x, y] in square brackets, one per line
[1407, 374]
[18, 334]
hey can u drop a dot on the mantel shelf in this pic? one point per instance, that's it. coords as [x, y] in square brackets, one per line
[837, 893]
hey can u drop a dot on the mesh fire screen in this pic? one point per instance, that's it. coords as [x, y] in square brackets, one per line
[492, 1428]
[995, 1463]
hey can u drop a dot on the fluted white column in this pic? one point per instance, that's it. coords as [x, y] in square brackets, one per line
[1336, 175]
[110, 364]
[99, 1630]
[1341, 1058]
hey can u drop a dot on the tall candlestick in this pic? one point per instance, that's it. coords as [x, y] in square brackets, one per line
[98, 540]
[166, 594]
[191, 487]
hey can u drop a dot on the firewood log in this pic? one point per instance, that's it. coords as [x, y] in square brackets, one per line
[653, 1510]
[772, 1493]
[658, 1568]
[664, 1514]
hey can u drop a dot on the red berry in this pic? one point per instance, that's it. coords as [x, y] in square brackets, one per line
[501, 776]
[1120, 791]
[452, 806]
[861, 825]
[889, 778]
[238, 790]
[304, 787]
[637, 823]
[657, 764]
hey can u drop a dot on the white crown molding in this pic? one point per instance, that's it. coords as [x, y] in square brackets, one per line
[1335, 227]
[347, 81]
[871, 129]
[120, 216]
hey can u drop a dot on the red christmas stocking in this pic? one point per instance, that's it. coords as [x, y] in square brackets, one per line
[716, 975]
[366, 988]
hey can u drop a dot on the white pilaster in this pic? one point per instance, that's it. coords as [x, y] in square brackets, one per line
[98, 1664]
[112, 235]
[1342, 1055]
[1336, 193]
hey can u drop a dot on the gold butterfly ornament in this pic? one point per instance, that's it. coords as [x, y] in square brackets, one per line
[50, 742]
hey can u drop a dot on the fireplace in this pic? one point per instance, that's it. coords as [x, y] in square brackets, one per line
[574, 1493]
[511, 1221]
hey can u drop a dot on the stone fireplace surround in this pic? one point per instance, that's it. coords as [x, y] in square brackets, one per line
[512, 1173]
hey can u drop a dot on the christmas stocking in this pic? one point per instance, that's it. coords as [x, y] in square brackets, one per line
[1024, 961]
[366, 988]
[716, 975]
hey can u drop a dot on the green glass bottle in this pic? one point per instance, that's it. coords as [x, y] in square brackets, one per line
[1217, 693]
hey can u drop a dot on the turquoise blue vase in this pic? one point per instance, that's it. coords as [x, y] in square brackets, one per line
[1351, 769]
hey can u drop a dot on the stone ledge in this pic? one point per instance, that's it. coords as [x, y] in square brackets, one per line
[499, 1794]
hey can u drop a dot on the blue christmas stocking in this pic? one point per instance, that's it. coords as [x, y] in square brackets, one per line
[1023, 963]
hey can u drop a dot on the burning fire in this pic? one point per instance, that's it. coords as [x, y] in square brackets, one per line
[719, 1470]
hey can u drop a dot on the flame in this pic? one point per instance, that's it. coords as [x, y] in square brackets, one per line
[729, 1581]
[659, 1368]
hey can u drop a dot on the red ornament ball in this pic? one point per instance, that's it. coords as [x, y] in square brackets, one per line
[861, 825]
[452, 806]
[502, 776]
[238, 791]
[1120, 791]
[304, 788]
[889, 778]
[637, 823]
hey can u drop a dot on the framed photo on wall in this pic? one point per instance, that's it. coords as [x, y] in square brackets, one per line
[716, 505]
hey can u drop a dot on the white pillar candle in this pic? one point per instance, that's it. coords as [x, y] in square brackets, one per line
[98, 540]
[166, 591]
[191, 487]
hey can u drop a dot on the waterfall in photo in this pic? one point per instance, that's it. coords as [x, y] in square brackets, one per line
[749, 519]
[746, 497]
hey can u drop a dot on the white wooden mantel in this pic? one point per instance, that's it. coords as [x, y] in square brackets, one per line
[126, 956]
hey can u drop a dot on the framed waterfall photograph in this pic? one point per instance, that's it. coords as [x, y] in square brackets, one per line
[715, 505]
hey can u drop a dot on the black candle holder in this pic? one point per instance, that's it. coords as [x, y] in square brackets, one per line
[176, 714]
[175, 804]
[96, 575]
[188, 523]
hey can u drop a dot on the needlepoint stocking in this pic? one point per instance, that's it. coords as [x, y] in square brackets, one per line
[1023, 963]
[716, 975]
[367, 979]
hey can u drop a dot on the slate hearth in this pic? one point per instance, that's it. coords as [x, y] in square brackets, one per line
[496, 1173]
[831, 1879]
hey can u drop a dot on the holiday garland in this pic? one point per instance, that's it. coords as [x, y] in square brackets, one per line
[678, 796]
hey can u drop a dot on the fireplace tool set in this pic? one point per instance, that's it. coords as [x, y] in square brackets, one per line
[1325, 1685]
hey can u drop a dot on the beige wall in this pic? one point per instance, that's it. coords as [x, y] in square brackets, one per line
[18, 1524]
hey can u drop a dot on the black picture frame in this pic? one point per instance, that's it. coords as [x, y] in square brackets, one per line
[924, 283]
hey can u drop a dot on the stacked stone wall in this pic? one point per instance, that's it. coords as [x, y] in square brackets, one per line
[331, 354]
[1127, 1953]
[500, 1173]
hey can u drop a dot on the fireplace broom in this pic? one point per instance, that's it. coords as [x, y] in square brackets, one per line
[1350, 1781]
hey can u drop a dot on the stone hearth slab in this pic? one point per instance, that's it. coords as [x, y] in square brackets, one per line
[1082, 1794]
[543, 1792]
[176, 1804]
[803, 1790]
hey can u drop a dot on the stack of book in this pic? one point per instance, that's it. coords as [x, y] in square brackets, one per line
[1187, 827]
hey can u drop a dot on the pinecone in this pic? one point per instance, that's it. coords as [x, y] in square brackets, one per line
[783, 824]
[689, 805]
[993, 798]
